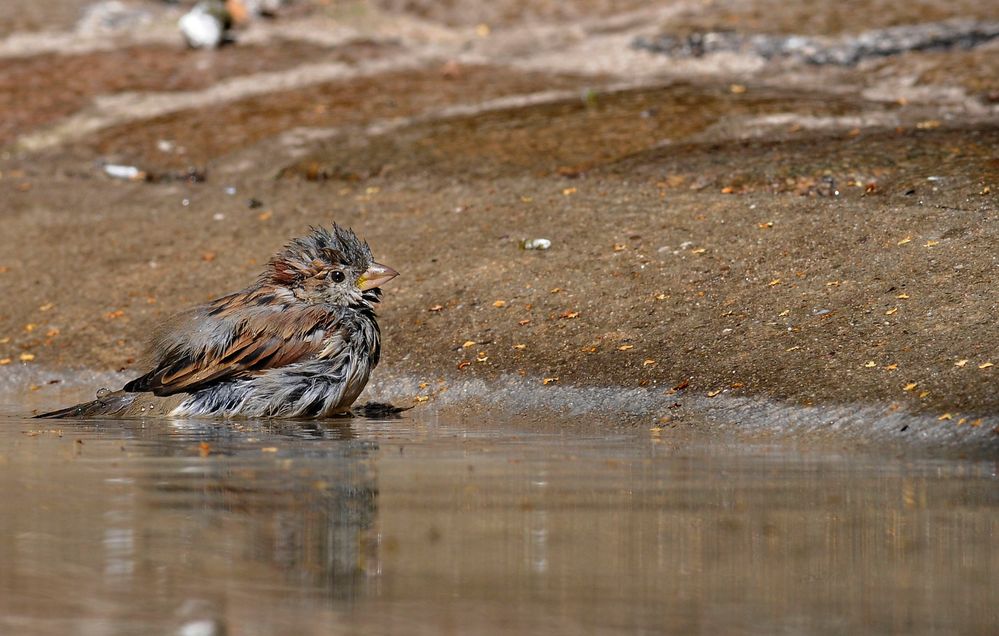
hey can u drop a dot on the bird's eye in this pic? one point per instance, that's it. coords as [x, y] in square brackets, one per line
[338, 276]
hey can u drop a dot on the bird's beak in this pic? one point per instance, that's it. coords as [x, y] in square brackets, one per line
[376, 276]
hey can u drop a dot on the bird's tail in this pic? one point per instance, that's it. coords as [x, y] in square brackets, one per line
[111, 404]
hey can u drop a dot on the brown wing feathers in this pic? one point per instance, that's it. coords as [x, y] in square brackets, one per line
[265, 342]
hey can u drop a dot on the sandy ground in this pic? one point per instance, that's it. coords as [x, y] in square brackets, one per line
[721, 226]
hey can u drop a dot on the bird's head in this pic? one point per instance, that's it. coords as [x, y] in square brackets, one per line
[328, 266]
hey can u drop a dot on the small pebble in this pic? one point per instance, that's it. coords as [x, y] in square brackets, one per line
[535, 244]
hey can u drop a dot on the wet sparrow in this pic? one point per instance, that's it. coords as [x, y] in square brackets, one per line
[299, 342]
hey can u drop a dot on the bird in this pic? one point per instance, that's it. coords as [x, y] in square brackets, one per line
[299, 342]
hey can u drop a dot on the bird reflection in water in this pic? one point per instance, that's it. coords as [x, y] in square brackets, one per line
[291, 505]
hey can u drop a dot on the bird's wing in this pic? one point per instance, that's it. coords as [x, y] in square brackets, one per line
[256, 343]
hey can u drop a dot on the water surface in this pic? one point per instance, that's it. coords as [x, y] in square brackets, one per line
[483, 527]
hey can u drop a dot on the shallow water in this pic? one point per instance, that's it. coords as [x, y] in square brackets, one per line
[483, 527]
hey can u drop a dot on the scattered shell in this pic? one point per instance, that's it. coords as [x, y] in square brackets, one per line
[129, 173]
[204, 26]
[535, 244]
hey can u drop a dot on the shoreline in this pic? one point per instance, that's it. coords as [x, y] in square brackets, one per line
[527, 401]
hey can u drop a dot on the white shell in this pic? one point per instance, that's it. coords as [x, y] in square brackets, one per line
[201, 29]
[536, 244]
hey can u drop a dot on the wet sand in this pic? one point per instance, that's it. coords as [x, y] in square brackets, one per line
[721, 227]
